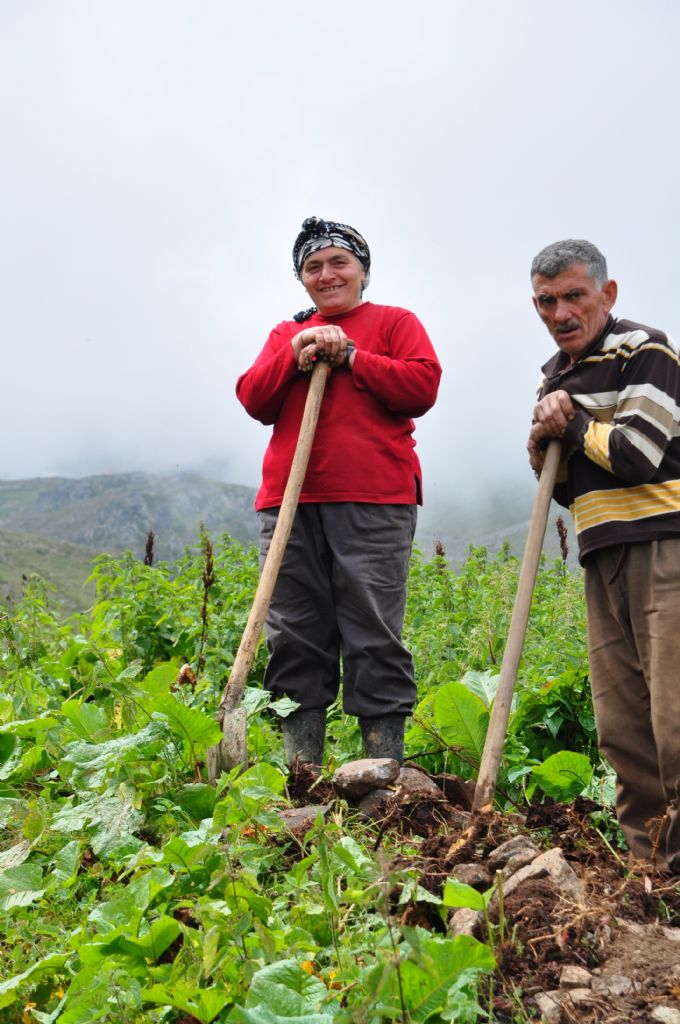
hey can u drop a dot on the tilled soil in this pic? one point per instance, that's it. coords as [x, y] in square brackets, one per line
[624, 931]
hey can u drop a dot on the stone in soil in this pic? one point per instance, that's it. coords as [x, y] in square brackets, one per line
[518, 845]
[357, 778]
[552, 865]
[413, 784]
[475, 875]
[297, 818]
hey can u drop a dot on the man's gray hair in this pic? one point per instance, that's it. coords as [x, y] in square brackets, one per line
[561, 256]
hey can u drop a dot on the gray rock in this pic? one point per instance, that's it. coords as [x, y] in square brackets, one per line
[573, 976]
[671, 933]
[295, 818]
[465, 922]
[579, 996]
[550, 1005]
[512, 848]
[472, 874]
[612, 985]
[357, 778]
[520, 860]
[377, 804]
[412, 783]
[552, 865]
[666, 1015]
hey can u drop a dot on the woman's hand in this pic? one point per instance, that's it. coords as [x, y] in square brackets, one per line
[328, 342]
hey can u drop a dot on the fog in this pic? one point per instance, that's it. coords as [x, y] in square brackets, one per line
[159, 158]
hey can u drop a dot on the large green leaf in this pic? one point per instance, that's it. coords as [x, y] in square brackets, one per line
[194, 726]
[457, 894]
[350, 857]
[564, 775]
[284, 992]
[198, 800]
[7, 745]
[93, 762]
[262, 778]
[48, 965]
[128, 907]
[202, 1003]
[462, 719]
[87, 720]
[183, 855]
[151, 944]
[15, 855]
[20, 886]
[484, 684]
[65, 865]
[160, 678]
[111, 819]
[27, 728]
[263, 1015]
[434, 966]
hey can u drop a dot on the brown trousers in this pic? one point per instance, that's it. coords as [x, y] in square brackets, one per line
[633, 605]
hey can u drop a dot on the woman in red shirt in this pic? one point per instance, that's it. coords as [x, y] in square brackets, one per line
[341, 590]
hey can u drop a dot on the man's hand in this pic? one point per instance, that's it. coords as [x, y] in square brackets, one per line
[329, 342]
[553, 413]
[536, 446]
[551, 416]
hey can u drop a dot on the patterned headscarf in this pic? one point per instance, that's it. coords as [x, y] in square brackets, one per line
[320, 234]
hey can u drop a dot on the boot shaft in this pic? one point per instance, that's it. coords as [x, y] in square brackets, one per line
[303, 736]
[383, 736]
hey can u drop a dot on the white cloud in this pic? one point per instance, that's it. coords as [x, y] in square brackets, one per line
[158, 158]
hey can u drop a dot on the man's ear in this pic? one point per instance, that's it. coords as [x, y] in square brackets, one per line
[610, 290]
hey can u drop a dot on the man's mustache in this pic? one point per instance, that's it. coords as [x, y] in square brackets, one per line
[573, 325]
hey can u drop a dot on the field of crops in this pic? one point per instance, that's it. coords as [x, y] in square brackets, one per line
[133, 891]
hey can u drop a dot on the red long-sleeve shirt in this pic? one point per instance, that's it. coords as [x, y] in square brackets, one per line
[363, 448]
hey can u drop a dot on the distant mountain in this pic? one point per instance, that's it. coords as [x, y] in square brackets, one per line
[55, 526]
[490, 521]
[115, 512]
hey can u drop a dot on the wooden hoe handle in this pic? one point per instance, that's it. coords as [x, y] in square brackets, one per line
[495, 737]
[245, 655]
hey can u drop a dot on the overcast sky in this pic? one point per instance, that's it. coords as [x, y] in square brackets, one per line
[159, 156]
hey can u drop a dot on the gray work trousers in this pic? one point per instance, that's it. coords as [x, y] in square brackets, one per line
[341, 593]
[633, 604]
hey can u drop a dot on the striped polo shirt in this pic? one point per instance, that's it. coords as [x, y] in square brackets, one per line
[621, 475]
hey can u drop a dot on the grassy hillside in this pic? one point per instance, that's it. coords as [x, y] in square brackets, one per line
[64, 568]
[55, 526]
[114, 512]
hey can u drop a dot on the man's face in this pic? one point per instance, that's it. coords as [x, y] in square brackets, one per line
[573, 307]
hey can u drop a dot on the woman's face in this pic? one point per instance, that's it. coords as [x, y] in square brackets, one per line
[333, 278]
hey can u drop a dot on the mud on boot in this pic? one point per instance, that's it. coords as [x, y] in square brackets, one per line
[303, 736]
[383, 736]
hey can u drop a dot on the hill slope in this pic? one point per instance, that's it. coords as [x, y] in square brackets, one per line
[64, 568]
[55, 526]
[114, 513]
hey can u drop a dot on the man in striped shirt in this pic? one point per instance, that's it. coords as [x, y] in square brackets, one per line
[612, 392]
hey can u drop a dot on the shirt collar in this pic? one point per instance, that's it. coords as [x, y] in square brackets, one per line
[558, 363]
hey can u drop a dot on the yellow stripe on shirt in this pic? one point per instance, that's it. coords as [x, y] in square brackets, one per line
[625, 504]
[596, 443]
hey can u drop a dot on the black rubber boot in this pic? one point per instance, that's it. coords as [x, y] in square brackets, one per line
[303, 736]
[383, 736]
